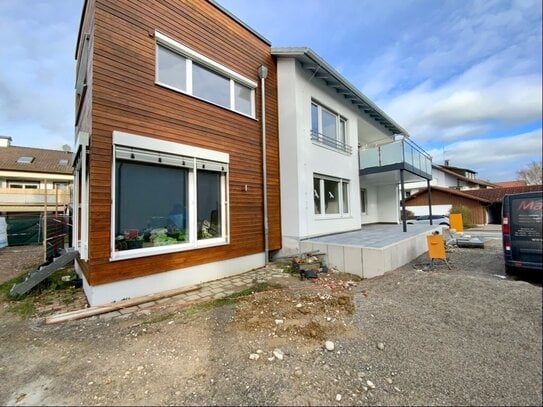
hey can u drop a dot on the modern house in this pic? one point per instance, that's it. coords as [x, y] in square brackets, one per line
[33, 180]
[342, 158]
[184, 116]
[177, 156]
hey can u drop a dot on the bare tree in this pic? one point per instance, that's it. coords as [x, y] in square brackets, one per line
[531, 173]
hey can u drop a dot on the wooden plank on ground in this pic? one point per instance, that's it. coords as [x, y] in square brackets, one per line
[102, 309]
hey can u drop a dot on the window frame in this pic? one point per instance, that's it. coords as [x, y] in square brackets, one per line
[219, 162]
[191, 57]
[14, 184]
[322, 199]
[341, 138]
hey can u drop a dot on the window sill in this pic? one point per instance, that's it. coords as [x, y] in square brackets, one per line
[159, 250]
[332, 217]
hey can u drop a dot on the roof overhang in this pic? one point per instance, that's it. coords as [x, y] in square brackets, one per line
[312, 62]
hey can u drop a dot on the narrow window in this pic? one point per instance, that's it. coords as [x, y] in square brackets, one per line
[342, 132]
[171, 69]
[345, 196]
[210, 86]
[209, 204]
[243, 99]
[331, 197]
[329, 127]
[363, 201]
[314, 120]
[317, 195]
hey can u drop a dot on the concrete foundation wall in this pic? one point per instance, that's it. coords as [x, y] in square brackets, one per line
[368, 262]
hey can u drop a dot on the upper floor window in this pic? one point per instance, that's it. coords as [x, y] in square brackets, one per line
[183, 69]
[329, 128]
[23, 185]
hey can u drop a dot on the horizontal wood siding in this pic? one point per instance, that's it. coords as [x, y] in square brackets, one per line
[125, 98]
[477, 209]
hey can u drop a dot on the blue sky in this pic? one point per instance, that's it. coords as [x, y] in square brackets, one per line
[463, 77]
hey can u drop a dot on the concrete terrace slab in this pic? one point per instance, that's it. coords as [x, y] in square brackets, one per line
[377, 236]
[372, 250]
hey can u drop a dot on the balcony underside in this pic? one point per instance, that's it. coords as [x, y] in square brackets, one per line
[390, 174]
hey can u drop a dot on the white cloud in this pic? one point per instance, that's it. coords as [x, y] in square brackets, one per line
[490, 157]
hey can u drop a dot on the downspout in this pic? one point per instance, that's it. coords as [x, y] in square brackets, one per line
[262, 74]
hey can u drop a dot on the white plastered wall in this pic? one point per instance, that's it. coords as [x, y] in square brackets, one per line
[300, 158]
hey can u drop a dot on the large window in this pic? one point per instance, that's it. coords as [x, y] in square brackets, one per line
[182, 69]
[330, 196]
[329, 128]
[151, 205]
[166, 202]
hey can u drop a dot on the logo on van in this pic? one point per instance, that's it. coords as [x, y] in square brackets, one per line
[531, 205]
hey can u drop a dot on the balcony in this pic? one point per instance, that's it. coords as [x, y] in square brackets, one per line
[15, 199]
[399, 155]
[330, 142]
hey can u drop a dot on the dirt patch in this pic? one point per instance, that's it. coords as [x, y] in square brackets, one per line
[293, 314]
[18, 259]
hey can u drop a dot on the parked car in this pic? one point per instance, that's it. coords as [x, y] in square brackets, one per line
[436, 220]
[522, 225]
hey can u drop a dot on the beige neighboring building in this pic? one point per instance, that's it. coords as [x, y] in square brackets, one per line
[34, 179]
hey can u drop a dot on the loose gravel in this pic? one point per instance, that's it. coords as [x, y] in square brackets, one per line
[415, 336]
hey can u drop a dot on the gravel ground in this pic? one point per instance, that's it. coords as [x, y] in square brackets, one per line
[466, 336]
[18, 259]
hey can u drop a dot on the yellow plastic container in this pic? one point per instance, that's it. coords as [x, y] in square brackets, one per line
[436, 247]
[455, 220]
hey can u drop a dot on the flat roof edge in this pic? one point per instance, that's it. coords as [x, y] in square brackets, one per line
[239, 21]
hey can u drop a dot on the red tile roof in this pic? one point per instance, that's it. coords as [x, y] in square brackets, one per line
[45, 161]
[497, 194]
[509, 184]
[452, 191]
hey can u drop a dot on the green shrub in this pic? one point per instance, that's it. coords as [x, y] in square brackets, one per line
[463, 210]
[408, 214]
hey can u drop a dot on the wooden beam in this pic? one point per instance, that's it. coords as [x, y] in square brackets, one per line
[102, 309]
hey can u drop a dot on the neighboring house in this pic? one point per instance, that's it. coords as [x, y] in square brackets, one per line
[443, 200]
[327, 184]
[169, 166]
[485, 204]
[33, 180]
[451, 177]
[495, 197]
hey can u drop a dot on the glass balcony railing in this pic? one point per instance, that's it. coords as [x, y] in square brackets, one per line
[403, 152]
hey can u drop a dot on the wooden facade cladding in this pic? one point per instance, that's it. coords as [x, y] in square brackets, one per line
[125, 98]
